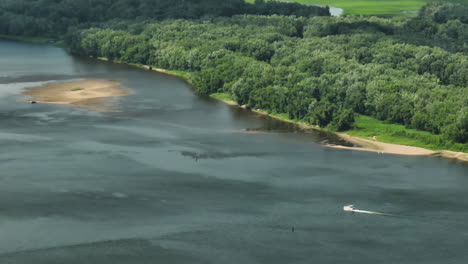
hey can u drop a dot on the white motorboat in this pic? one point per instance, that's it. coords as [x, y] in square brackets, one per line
[349, 208]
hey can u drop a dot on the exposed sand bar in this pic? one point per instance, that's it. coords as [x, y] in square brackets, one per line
[380, 147]
[86, 93]
[375, 146]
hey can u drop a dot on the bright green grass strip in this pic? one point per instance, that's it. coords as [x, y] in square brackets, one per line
[186, 75]
[371, 7]
[222, 96]
[285, 117]
[367, 127]
[374, 7]
[281, 116]
[183, 74]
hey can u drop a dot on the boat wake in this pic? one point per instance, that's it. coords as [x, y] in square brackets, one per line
[432, 218]
[350, 208]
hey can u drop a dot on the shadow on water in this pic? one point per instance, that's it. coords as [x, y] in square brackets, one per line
[270, 124]
[134, 250]
[219, 155]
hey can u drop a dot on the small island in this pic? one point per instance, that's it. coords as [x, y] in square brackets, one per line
[85, 93]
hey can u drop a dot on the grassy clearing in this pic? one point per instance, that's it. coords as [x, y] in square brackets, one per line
[183, 74]
[367, 127]
[374, 7]
[285, 117]
[222, 97]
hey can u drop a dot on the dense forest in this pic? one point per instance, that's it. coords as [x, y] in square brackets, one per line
[52, 17]
[318, 69]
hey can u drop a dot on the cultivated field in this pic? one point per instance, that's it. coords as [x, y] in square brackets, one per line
[374, 7]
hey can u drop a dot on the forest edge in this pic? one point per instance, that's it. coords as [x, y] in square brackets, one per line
[361, 143]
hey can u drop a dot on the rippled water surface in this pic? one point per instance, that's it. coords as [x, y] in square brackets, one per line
[174, 178]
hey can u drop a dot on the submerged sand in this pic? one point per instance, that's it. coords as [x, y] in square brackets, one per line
[87, 93]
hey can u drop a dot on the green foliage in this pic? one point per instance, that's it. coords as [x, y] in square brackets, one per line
[51, 17]
[374, 7]
[222, 96]
[321, 70]
[442, 12]
[368, 127]
[183, 74]
[323, 78]
[343, 121]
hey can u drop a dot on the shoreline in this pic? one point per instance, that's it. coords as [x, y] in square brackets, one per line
[149, 68]
[367, 145]
[361, 144]
[382, 147]
[34, 40]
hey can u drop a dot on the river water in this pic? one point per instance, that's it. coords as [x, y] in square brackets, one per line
[174, 178]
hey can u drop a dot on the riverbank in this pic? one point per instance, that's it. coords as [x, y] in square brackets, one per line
[35, 40]
[362, 143]
[381, 147]
[86, 93]
[387, 148]
[181, 74]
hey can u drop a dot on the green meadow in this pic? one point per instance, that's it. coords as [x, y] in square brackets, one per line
[222, 96]
[367, 127]
[374, 7]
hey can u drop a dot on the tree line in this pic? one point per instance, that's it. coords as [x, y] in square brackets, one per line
[52, 17]
[321, 70]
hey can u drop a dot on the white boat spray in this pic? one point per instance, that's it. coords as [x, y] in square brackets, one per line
[350, 208]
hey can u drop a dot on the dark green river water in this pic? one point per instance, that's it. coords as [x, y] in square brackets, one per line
[173, 178]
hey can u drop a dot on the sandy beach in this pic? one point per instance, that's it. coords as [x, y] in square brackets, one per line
[386, 148]
[380, 147]
[87, 93]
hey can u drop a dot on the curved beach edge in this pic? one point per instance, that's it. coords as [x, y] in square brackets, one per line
[369, 145]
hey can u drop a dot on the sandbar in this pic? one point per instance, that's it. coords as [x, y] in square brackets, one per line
[85, 93]
[387, 148]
